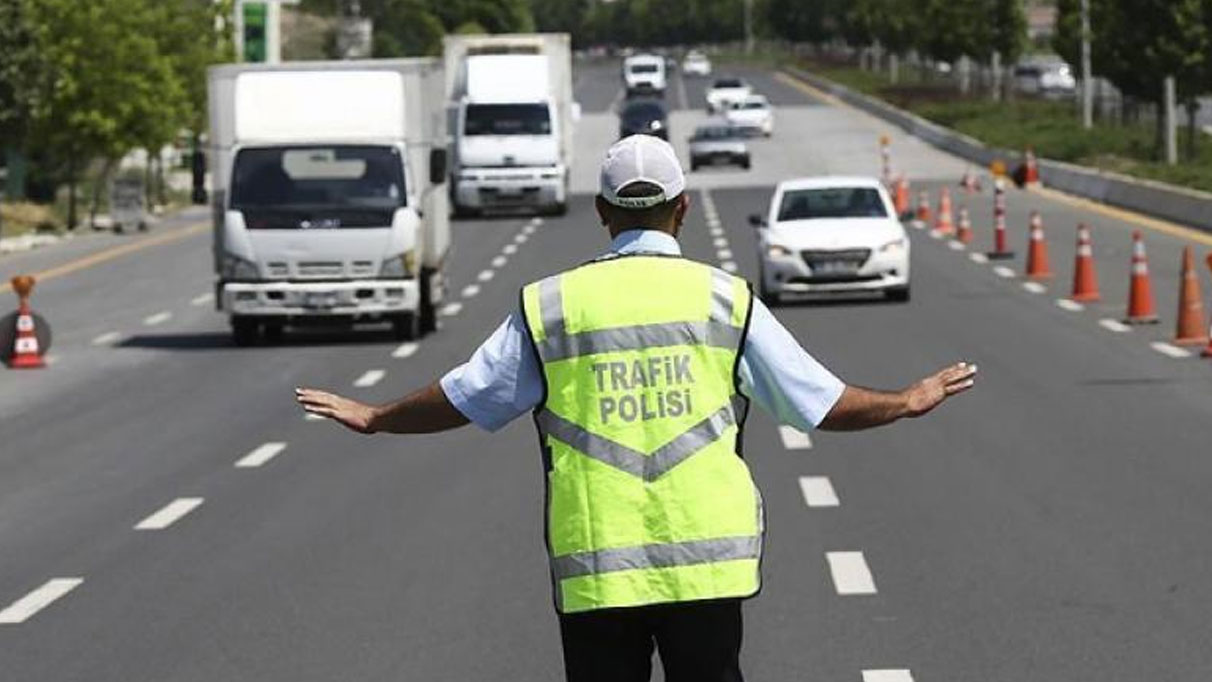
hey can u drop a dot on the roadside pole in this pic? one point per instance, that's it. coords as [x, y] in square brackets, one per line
[1087, 74]
[1170, 121]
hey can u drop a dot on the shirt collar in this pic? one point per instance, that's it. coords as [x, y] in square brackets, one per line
[650, 241]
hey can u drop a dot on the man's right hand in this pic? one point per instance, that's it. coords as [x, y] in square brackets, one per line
[930, 392]
[350, 413]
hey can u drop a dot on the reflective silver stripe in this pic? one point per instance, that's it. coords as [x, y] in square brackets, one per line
[656, 556]
[638, 337]
[634, 462]
[551, 307]
[721, 297]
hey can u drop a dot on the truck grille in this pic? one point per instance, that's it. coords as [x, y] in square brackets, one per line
[320, 269]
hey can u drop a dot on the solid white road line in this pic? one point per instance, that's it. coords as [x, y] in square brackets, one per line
[106, 339]
[485, 275]
[818, 491]
[850, 573]
[202, 299]
[956, 246]
[728, 266]
[724, 254]
[471, 290]
[1003, 271]
[169, 514]
[1114, 325]
[1070, 305]
[887, 675]
[451, 309]
[1170, 349]
[369, 378]
[1034, 287]
[405, 349]
[25, 607]
[510, 249]
[978, 257]
[259, 456]
[158, 318]
[793, 438]
[720, 243]
[499, 261]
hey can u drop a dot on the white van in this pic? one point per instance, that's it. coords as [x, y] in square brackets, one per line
[644, 74]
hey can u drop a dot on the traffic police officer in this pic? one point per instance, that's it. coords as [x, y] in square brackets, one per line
[639, 368]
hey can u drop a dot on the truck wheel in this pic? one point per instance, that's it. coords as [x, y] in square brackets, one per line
[406, 327]
[426, 309]
[245, 332]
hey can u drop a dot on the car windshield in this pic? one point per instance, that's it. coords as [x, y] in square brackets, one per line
[318, 186]
[507, 119]
[644, 68]
[715, 133]
[752, 104]
[728, 83]
[833, 202]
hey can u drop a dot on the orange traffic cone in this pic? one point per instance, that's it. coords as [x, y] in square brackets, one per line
[1037, 250]
[1190, 329]
[964, 234]
[1001, 249]
[1141, 309]
[1208, 349]
[1031, 174]
[1085, 280]
[26, 354]
[923, 209]
[902, 197]
[943, 223]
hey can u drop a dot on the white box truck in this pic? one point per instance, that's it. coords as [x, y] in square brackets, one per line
[512, 115]
[327, 194]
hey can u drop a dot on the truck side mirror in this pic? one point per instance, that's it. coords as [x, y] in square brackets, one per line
[437, 165]
[756, 220]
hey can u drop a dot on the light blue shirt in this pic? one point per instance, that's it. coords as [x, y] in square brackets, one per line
[503, 380]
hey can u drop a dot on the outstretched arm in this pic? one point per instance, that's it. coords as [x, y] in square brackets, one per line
[423, 411]
[863, 408]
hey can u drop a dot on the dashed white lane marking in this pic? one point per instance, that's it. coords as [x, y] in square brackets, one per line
[728, 266]
[935, 234]
[24, 608]
[529, 229]
[521, 238]
[716, 231]
[510, 249]
[471, 290]
[499, 261]
[1114, 325]
[887, 675]
[1003, 271]
[1170, 349]
[169, 514]
[260, 455]
[158, 318]
[202, 299]
[978, 257]
[793, 438]
[536, 221]
[720, 242]
[724, 254]
[313, 417]
[818, 491]
[850, 573]
[369, 378]
[451, 309]
[956, 246]
[485, 275]
[1034, 287]
[106, 339]
[405, 349]
[1070, 305]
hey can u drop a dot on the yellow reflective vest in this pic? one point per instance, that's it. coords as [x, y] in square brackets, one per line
[648, 499]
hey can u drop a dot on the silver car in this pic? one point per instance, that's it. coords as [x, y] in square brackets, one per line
[718, 143]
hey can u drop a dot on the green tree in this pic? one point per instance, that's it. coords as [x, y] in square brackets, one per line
[20, 64]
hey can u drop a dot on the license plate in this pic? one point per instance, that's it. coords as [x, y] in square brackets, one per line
[836, 267]
[511, 192]
[319, 299]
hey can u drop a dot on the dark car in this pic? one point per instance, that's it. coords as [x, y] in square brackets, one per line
[646, 117]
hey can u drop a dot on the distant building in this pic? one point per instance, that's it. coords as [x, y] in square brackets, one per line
[1041, 21]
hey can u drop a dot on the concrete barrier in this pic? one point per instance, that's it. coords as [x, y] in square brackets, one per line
[1177, 204]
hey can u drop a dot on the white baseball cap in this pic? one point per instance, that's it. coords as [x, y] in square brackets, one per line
[641, 159]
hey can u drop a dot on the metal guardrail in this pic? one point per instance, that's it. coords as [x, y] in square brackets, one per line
[1169, 202]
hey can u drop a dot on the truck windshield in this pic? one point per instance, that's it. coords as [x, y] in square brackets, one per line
[329, 186]
[507, 119]
[643, 68]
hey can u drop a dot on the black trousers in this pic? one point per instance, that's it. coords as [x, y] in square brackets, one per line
[697, 642]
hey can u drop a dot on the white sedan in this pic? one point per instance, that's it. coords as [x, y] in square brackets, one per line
[696, 64]
[724, 92]
[829, 234]
[752, 115]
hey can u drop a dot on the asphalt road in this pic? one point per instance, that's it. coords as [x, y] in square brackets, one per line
[1050, 525]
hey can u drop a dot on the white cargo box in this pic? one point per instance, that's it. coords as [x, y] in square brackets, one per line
[507, 78]
[287, 106]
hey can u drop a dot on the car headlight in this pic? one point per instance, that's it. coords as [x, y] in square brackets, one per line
[237, 269]
[398, 267]
[894, 246]
[776, 251]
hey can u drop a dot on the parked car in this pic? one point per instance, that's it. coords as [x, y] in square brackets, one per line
[752, 115]
[717, 143]
[644, 116]
[830, 234]
[696, 64]
[1045, 78]
[726, 91]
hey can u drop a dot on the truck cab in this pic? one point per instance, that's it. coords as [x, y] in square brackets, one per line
[644, 74]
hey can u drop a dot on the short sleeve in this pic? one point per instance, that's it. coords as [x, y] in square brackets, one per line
[501, 380]
[781, 377]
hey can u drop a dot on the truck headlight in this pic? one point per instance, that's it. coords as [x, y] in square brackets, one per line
[399, 267]
[894, 246]
[236, 268]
